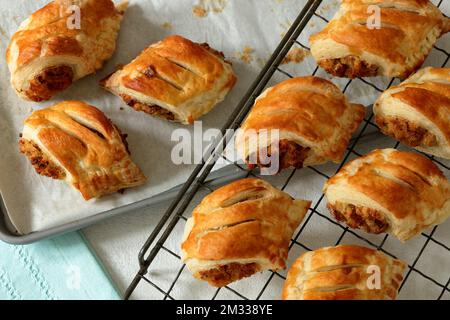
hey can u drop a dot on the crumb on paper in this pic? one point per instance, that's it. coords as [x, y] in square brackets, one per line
[167, 26]
[199, 11]
[3, 32]
[246, 55]
[295, 55]
[204, 7]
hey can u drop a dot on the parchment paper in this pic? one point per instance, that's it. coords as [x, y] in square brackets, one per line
[36, 203]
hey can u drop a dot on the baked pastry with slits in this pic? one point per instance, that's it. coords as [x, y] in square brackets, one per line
[52, 49]
[390, 191]
[314, 120]
[75, 142]
[358, 42]
[417, 112]
[239, 230]
[175, 79]
[344, 273]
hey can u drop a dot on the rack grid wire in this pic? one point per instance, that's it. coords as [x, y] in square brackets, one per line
[199, 181]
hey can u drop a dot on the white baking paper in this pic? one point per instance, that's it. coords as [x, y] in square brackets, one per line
[37, 203]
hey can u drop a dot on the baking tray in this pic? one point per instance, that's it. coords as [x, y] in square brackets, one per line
[217, 178]
[163, 274]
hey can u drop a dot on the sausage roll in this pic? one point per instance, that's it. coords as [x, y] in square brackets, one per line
[175, 79]
[314, 120]
[75, 142]
[239, 230]
[417, 112]
[52, 49]
[344, 273]
[379, 37]
[390, 191]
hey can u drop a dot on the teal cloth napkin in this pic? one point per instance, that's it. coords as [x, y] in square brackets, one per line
[59, 268]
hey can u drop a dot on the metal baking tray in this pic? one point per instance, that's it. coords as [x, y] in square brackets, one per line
[7, 235]
[172, 281]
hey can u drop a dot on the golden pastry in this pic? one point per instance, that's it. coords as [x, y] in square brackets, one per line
[175, 79]
[75, 142]
[239, 230]
[360, 43]
[344, 273]
[417, 112]
[51, 49]
[390, 191]
[314, 120]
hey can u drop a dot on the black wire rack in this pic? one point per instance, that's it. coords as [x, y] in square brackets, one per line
[178, 212]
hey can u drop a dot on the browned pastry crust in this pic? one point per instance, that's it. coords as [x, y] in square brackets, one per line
[240, 229]
[47, 54]
[350, 46]
[184, 78]
[343, 273]
[391, 191]
[348, 67]
[417, 112]
[75, 142]
[313, 118]
[406, 131]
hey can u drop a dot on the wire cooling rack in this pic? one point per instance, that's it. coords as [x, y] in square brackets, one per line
[431, 248]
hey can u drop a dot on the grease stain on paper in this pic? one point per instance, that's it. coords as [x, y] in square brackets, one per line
[204, 7]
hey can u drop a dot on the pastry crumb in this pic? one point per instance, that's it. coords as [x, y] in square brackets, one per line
[199, 11]
[295, 55]
[204, 7]
[167, 26]
[246, 55]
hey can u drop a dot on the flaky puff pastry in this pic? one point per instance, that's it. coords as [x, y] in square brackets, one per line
[417, 112]
[314, 118]
[239, 230]
[390, 191]
[51, 50]
[344, 273]
[175, 79]
[350, 46]
[75, 142]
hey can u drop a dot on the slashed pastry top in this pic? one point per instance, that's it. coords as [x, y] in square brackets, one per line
[309, 112]
[344, 272]
[75, 142]
[379, 37]
[401, 193]
[61, 43]
[240, 229]
[175, 79]
[417, 112]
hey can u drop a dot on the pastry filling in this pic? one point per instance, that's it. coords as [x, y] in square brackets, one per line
[153, 110]
[359, 217]
[41, 163]
[291, 155]
[226, 274]
[407, 132]
[349, 67]
[49, 82]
